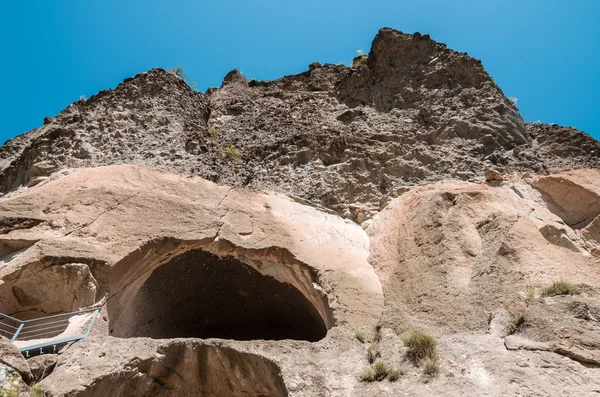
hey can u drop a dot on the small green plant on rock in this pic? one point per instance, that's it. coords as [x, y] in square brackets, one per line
[12, 388]
[559, 288]
[230, 152]
[213, 131]
[367, 375]
[360, 336]
[373, 353]
[421, 346]
[179, 72]
[516, 324]
[530, 292]
[8, 393]
[377, 332]
[394, 375]
[431, 367]
[381, 370]
[360, 59]
[36, 391]
[378, 372]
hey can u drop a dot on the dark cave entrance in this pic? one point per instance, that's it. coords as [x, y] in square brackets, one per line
[199, 294]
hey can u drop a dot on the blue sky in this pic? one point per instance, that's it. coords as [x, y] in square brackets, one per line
[545, 53]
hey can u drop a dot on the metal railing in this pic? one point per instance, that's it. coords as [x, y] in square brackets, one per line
[47, 331]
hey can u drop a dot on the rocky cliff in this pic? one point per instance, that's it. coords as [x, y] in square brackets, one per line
[412, 112]
[294, 237]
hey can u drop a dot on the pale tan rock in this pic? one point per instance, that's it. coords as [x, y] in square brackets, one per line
[458, 260]
[12, 357]
[98, 217]
[492, 174]
[572, 195]
[447, 254]
[41, 366]
[116, 226]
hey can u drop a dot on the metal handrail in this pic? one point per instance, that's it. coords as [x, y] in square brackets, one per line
[9, 317]
[29, 330]
[7, 325]
[54, 315]
[52, 322]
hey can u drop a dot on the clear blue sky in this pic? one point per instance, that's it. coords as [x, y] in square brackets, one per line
[546, 53]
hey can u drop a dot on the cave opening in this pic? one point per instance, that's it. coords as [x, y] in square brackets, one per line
[201, 295]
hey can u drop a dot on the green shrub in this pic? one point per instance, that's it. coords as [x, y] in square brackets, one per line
[36, 391]
[421, 346]
[230, 152]
[530, 292]
[360, 59]
[381, 370]
[516, 324]
[394, 375]
[377, 333]
[213, 131]
[373, 353]
[367, 375]
[179, 72]
[8, 393]
[431, 367]
[378, 372]
[360, 336]
[559, 288]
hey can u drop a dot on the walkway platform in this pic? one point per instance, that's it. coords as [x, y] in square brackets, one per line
[47, 334]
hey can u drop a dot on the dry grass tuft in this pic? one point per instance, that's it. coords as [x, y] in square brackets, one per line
[559, 288]
[421, 346]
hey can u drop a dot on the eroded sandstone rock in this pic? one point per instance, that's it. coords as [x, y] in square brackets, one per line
[218, 290]
[121, 223]
[12, 359]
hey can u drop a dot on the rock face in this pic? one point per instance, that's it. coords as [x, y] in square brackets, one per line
[461, 218]
[342, 137]
[146, 243]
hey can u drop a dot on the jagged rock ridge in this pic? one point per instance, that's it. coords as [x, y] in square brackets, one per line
[343, 137]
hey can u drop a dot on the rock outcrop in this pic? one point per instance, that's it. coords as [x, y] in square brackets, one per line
[343, 137]
[355, 205]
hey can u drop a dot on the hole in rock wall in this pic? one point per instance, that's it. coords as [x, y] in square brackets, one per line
[199, 294]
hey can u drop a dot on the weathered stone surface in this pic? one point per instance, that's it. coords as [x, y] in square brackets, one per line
[118, 227]
[459, 258]
[11, 356]
[564, 147]
[145, 367]
[447, 255]
[344, 137]
[468, 215]
[95, 225]
[41, 366]
[493, 175]
[466, 249]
